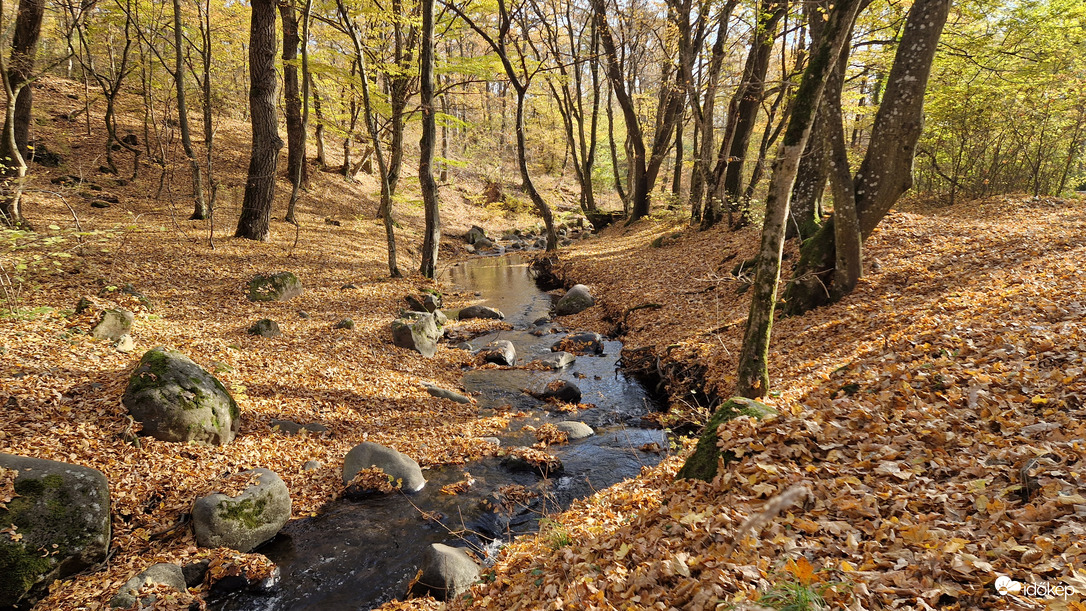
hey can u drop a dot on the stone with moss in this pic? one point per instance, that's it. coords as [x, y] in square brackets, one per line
[177, 400]
[62, 509]
[274, 287]
[113, 324]
[247, 520]
[447, 572]
[704, 463]
[417, 331]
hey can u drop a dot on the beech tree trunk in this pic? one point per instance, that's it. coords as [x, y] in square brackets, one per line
[753, 374]
[743, 110]
[292, 106]
[432, 234]
[24, 46]
[370, 119]
[200, 207]
[886, 171]
[255, 220]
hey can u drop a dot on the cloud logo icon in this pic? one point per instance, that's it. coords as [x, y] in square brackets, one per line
[1005, 585]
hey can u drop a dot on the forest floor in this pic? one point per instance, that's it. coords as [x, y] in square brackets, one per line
[935, 416]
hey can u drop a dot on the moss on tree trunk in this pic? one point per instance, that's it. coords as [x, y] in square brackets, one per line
[705, 462]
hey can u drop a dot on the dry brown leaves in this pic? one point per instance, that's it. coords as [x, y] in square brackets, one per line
[548, 434]
[936, 416]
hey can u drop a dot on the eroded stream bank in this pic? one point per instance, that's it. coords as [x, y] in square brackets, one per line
[360, 554]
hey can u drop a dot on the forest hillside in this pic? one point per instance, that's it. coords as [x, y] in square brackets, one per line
[925, 434]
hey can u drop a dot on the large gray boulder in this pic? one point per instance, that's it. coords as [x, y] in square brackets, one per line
[163, 573]
[244, 521]
[276, 287]
[397, 465]
[479, 311]
[58, 507]
[447, 572]
[113, 325]
[177, 400]
[417, 331]
[500, 351]
[577, 299]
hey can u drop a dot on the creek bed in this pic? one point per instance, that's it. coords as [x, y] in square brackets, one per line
[361, 554]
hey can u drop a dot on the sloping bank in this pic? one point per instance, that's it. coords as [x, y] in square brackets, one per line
[929, 438]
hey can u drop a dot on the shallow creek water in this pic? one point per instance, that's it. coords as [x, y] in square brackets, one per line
[360, 554]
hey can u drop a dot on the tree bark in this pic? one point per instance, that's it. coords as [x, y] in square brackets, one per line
[886, 171]
[753, 372]
[292, 105]
[370, 118]
[743, 110]
[200, 207]
[24, 46]
[255, 220]
[432, 234]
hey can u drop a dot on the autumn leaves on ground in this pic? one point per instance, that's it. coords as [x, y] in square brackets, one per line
[934, 418]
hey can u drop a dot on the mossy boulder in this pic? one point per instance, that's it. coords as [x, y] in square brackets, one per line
[417, 331]
[247, 520]
[265, 327]
[177, 400]
[275, 287]
[60, 508]
[704, 463]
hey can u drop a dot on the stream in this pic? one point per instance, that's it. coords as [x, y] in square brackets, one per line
[361, 554]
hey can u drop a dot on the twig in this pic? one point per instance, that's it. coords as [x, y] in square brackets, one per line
[796, 494]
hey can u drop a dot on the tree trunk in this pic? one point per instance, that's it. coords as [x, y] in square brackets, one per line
[886, 171]
[24, 47]
[200, 209]
[432, 234]
[743, 110]
[255, 220]
[318, 131]
[292, 106]
[370, 118]
[677, 175]
[753, 375]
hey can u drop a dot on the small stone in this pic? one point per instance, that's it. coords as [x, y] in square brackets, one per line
[265, 328]
[557, 360]
[247, 520]
[396, 465]
[580, 343]
[113, 324]
[276, 287]
[447, 572]
[577, 299]
[346, 323]
[99, 204]
[562, 390]
[575, 430]
[443, 393]
[350, 286]
[125, 344]
[501, 352]
[163, 573]
[311, 465]
[480, 311]
[303, 314]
